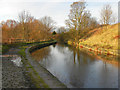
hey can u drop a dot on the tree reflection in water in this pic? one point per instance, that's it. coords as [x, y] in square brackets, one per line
[76, 68]
[41, 53]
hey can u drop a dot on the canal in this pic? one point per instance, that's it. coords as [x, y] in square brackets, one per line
[77, 69]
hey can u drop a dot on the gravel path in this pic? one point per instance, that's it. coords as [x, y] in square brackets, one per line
[13, 75]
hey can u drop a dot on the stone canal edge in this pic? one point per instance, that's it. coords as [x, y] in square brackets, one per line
[40, 76]
[31, 74]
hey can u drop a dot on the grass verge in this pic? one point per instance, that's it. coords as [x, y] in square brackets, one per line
[30, 71]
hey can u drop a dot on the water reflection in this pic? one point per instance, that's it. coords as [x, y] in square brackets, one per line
[77, 69]
[41, 53]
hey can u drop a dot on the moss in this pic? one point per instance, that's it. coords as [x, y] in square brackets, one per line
[32, 73]
[34, 76]
[22, 52]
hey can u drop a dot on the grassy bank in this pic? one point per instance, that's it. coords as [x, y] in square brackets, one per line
[5, 47]
[41, 45]
[30, 71]
[102, 40]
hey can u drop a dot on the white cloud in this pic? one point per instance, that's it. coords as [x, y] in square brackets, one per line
[57, 9]
[38, 9]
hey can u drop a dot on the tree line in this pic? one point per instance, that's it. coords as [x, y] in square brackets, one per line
[80, 22]
[27, 28]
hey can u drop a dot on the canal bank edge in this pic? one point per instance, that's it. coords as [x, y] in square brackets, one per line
[93, 51]
[40, 77]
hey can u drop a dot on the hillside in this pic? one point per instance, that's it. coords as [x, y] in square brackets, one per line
[103, 37]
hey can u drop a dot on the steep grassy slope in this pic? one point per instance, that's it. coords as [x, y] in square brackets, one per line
[104, 37]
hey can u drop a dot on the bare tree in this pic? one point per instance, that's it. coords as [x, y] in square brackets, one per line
[80, 20]
[24, 17]
[106, 14]
[76, 13]
[75, 18]
[48, 22]
[25, 20]
[61, 29]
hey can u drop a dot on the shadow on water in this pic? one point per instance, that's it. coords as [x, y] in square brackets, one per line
[78, 69]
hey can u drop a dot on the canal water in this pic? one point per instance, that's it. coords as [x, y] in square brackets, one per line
[77, 69]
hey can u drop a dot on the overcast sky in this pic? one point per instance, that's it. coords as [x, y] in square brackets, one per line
[57, 9]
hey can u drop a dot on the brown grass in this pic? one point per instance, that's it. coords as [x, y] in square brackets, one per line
[104, 37]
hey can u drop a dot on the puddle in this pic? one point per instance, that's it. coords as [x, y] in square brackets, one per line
[17, 61]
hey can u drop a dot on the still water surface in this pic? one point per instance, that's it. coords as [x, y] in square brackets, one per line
[77, 69]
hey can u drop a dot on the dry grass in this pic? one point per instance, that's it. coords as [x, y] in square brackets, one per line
[104, 37]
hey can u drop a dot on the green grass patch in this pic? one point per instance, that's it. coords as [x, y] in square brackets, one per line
[34, 76]
[32, 73]
[5, 48]
[22, 52]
